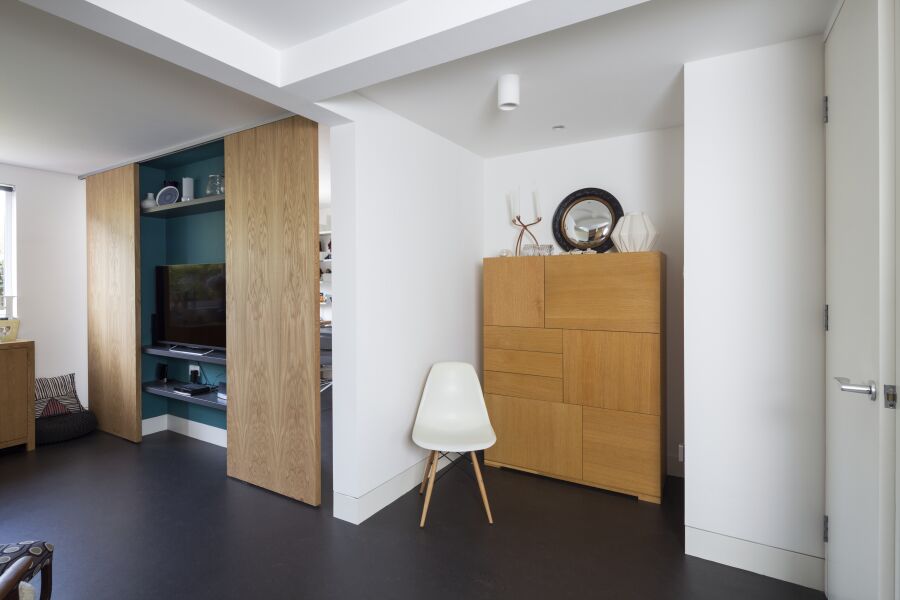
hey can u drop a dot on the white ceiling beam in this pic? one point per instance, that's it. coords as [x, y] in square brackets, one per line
[413, 35]
[419, 34]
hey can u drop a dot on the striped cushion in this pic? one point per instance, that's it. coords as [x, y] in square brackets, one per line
[61, 388]
[53, 408]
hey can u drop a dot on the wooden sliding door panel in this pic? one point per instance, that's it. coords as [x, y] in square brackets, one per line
[610, 292]
[527, 363]
[514, 291]
[622, 451]
[113, 248]
[272, 252]
[613, 369]
[535, 435]
[531, 339]
[548, 389]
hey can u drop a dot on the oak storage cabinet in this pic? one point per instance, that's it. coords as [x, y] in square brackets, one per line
[574, 368]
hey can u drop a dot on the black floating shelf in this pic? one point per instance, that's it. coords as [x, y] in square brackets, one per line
[191, 207]
[216, 357]
[167, 390]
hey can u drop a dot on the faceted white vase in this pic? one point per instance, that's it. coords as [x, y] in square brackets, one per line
[635, 233]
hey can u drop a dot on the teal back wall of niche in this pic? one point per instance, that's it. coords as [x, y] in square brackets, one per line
[191, 239]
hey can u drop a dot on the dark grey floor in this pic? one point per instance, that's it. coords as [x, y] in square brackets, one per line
[161, 520]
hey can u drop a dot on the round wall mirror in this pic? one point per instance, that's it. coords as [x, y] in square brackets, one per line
[585, 220]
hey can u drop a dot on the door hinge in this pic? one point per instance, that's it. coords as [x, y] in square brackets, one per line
[825, 529]
[890, 396]
[825, 317]
[824, 109]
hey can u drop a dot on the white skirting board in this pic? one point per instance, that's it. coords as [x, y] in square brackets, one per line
[198, 431]
[356, 510]
[794, 567]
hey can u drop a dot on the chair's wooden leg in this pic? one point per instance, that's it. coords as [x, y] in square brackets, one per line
[47, 580]
[427, 471]
[431, 475]
[487, 506]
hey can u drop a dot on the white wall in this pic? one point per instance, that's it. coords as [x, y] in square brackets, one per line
[52, 270]
[753, 298]
[407, 227]
[645, 173]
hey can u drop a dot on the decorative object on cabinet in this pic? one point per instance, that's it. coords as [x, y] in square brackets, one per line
[215, 185]
[573, 368]
[635, 233]
[9, 329]
[167, 195]
[149, 201]
[537, 250]
[515, 216]
[17, 400]
[585, 220]
[452, 417]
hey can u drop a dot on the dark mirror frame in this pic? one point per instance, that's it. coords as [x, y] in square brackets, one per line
[559, 218]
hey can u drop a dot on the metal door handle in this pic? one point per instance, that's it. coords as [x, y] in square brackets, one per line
[858, 388]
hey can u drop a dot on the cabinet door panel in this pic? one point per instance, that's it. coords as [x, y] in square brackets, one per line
[540, 436]
[14, 399]
[532, 339]
[514, 291]
[272, 289]
[611, 369]
[610, 292]
[527, 363]
[114, 301]
[548, 389]
[622, 451]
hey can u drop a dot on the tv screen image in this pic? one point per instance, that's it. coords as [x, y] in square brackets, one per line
[190, 305]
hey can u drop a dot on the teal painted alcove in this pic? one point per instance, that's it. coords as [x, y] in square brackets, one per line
[191, 239]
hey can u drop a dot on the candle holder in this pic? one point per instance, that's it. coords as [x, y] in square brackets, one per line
[518, 222]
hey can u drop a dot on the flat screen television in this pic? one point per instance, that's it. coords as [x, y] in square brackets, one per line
[190, 305]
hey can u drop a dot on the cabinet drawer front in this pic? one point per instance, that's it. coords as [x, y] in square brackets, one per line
[541, 436]
[622, 450]
[614, 370]
[610, 292]
[548, 389]
[514, 291]
[14, 394]
[532, 339]
[525, 363]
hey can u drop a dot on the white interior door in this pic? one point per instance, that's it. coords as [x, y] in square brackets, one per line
[859, 291]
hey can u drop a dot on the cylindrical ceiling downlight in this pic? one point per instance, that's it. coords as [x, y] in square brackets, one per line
[508, 92]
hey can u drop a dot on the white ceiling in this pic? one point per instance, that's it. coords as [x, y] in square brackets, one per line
[616, 74]
[74, 101]
[281, 24]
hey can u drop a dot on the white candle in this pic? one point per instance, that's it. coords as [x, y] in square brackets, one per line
[537, 205]
[516, 212]
[509, 206]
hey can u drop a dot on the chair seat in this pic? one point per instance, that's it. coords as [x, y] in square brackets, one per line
[453, 440]
[39, 552]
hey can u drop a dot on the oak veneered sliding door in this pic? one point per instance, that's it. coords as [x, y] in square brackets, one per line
[114, 301]
[272, 253]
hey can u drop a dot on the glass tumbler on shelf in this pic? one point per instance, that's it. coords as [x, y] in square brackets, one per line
[215, 185]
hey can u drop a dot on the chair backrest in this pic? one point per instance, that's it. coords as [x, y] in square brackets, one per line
[452, 395]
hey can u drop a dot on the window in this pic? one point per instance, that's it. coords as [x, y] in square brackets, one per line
[8, 246]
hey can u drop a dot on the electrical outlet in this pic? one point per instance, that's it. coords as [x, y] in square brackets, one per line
[681, 453]
[194, 369]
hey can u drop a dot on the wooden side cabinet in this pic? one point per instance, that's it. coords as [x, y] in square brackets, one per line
[573, 368]
[17, 394]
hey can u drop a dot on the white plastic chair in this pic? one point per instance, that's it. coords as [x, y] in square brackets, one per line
[452, 417]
